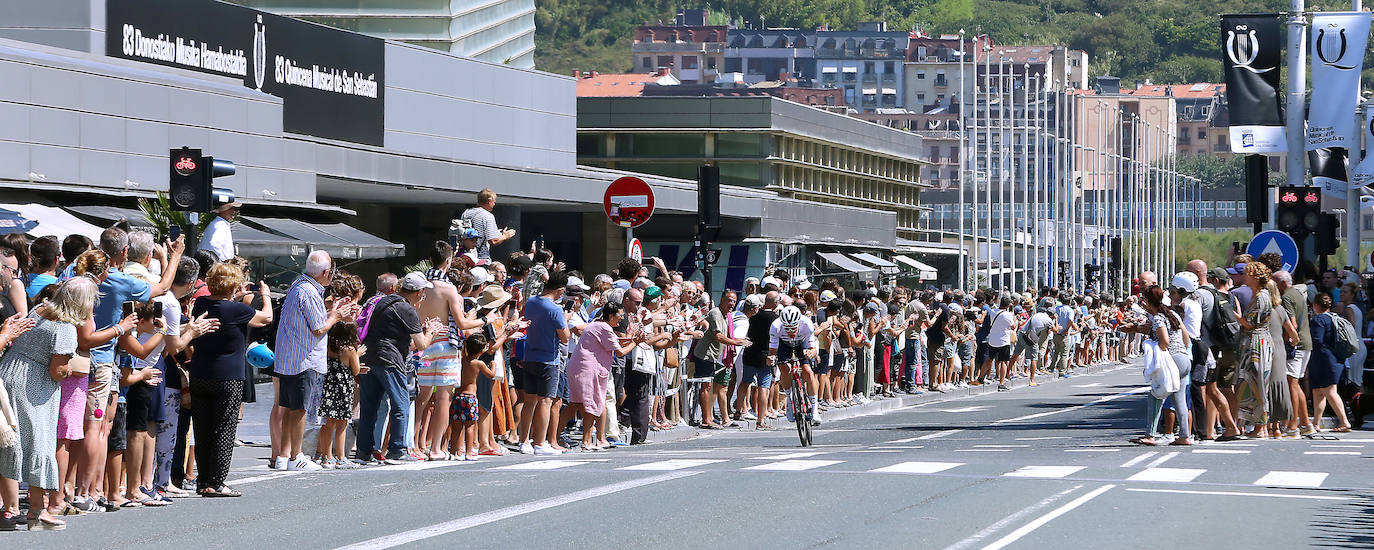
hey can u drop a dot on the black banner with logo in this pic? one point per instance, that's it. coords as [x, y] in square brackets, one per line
[331, 82]
[1251, 56]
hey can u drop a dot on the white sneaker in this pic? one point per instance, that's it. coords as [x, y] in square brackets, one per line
[302, 464]
[546, 450]
[526, 448]
[280, 463]
[748, 416]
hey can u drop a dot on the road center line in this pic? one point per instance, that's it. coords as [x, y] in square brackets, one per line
[938, 435]
[406, 537]
[1042, 520]
[1073, 408]
[1014, 517]
[1162, 459]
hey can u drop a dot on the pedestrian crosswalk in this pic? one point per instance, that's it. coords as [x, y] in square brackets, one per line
[1135, 470]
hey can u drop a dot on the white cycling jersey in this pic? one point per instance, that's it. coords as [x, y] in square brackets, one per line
[805, 336]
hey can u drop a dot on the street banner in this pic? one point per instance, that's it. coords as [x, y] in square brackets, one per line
[1363, 174]
[1328, 168]
[1251, 51]
[1338, 46]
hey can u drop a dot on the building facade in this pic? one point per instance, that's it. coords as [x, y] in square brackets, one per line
[500, 31]
[765, 143]
[691, 50]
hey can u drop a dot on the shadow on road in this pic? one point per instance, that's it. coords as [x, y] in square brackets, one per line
[1349, 524]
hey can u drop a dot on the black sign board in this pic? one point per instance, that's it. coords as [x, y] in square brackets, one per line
[331, 82]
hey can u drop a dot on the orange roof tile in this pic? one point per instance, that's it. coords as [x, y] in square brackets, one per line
[615, 85]
[1185, 91]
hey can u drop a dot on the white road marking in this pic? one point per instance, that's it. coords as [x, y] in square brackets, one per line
[544, 465]
[1237, 494]
[974, 408]
[1171, 475]
[1098, 450]
[1004, 522]
[995, 446]
[918, 467]
[1042, 520]
[982, 450]
[788, 456]
[255, 479]
[900, 447]
[406, 537]
[1329, 446]
[1222, 451]
[670, 465]
[904, 440]
[1292, 479]
[1162, 459]
[1137, 460]
[794, 465]
[1092, 385]
[1044, 438]
[1044, 471]
[938, 435]
[1347, 453]
[1358, 440]
[418, 466]
[876, 451]
[1075, 407]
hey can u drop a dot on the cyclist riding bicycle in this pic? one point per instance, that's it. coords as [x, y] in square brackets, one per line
[793, 337]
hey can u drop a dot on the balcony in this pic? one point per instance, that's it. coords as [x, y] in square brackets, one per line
[870, 78]
[941, 82]
[889, 78]
[1221, 147]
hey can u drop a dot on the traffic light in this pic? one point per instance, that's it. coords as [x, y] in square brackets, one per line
[192, 176]
[708, 202]
[1299, 211]
[1327, 234]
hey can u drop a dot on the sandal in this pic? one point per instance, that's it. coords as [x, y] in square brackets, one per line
[1341, 430]
[40, 523]
[222, 491]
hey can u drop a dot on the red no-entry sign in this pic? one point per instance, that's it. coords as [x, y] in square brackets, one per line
[629, 202]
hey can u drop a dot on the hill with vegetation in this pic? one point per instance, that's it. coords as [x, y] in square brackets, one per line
[1167, 41]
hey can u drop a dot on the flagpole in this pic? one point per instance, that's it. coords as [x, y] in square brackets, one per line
[987, 155]
[1352, 194]
[964, 119]
[1003, 99]
[1297, 82]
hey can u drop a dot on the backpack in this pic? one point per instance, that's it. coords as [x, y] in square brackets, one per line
[1347, 340]
[370, 310]
[1222, 327]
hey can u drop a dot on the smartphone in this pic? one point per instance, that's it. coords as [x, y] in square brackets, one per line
[173, 232]
[129, 308]
[254, 287]
[157, 309]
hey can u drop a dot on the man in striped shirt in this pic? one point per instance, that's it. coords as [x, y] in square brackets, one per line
[300, 353]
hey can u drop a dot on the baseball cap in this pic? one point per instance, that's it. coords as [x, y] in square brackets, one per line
[751, 280]
[470, 233]
[480, 276]
[576, 284]
[803, 284]
[621, 284]
[1220, 274]
[415, 281]
[652, 293]
[828, 296]
[1236, 269]
[772, 281]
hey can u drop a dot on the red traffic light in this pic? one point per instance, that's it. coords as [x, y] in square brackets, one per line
[186, 165]
[1288, 197]
[1311, 197]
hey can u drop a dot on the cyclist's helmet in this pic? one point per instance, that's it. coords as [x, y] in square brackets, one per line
[791, 318]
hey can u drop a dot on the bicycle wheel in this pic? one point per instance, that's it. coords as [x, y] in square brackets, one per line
[800, 410]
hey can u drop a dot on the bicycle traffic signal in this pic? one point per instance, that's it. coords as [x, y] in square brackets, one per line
[192, 175]
[1299, 211]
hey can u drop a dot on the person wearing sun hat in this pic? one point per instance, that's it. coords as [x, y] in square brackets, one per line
[218, 237]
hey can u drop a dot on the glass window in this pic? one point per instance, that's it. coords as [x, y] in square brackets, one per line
[738, 145]
[711, 63]
[739, 173]
[920, 75]
[647, 62]
[889, 67]
[661, 145]
[665, 61]
[1204, 209]
[1240, 209]
[591, 145]
[689, 61]
[1185, 209]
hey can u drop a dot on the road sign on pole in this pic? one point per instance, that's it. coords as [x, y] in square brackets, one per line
[629, 202]
[1275, 241]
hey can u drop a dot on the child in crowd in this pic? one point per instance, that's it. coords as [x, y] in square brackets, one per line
[464, 408]
[336, 395]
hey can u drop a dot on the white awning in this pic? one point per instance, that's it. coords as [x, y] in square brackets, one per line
[889, 91]
[870, 91]
[888, 268]
[851, 69]
[924, 271]
[847, 264]
[830, 70]
[54, 221]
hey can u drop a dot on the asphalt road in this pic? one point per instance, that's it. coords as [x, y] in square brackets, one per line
[1045, 467]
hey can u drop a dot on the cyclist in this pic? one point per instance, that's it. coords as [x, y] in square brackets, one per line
[793, 336]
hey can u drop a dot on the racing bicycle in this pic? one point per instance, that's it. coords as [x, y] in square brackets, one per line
[801, 406]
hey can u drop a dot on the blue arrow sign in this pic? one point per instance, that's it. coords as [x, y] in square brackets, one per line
[1275, 241]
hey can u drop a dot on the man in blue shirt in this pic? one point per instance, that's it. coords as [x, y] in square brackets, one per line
[116, 289]
[548, 328]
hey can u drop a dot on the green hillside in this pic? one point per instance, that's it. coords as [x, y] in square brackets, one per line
[1164, 40]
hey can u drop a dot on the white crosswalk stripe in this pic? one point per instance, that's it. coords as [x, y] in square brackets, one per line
[1172, 475]
[918, 467]
[669, 465]
[1292, 479]
[794, 465]
[1045, 471]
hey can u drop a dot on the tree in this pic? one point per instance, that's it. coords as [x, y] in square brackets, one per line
[1213, 171]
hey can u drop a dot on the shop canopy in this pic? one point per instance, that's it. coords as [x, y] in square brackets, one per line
[843, 262]
[54, 221]
[885, 266]
[924, 271]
